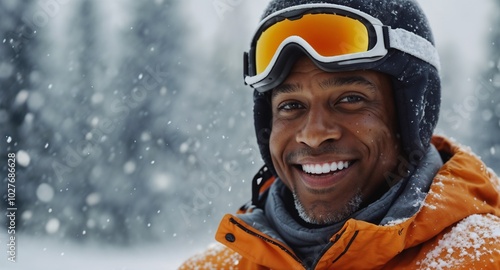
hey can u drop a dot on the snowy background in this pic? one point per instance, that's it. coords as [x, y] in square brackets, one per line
[133, 131]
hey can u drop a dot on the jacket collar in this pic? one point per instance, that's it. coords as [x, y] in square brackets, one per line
[401, 202]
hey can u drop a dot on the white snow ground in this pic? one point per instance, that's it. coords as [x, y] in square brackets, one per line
[47, 254]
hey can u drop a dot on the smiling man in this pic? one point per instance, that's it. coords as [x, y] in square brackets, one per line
[347, 96]
[333, 137]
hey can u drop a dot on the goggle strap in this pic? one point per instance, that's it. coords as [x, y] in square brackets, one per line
[245, 66]
[415, 45]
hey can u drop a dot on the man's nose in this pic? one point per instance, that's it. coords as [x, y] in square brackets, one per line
[319, 126]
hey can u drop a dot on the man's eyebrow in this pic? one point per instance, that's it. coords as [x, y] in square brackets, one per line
[347, 80]
[285, 88]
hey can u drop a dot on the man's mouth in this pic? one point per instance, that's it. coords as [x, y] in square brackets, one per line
[325, 168]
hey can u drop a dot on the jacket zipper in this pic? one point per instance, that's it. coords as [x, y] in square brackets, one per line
[347, 247]
[232, 220]
[337, 237]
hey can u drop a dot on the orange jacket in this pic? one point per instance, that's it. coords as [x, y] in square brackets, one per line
[458, 227]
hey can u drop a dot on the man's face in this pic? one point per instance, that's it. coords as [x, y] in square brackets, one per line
[333, 138]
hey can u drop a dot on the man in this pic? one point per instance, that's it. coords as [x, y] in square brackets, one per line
[347, 96]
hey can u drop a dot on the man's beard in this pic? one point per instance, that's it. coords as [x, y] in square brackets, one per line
[349, 208]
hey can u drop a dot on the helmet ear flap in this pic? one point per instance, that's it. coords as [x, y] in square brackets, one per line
[417, 95]
[263, 123]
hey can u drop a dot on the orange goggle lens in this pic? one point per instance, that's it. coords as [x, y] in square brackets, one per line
[328, 34]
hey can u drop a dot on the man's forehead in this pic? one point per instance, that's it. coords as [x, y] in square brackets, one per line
[330, 80]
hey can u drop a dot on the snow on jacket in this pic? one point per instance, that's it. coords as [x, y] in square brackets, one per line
[457, 227]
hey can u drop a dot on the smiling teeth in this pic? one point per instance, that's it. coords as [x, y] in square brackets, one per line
[325, 168]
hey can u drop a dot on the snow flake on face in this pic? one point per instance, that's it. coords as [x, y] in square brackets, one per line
[471, 240]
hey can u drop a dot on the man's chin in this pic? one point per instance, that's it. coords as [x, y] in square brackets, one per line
[318, 213]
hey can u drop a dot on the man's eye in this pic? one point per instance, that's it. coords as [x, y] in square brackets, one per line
[351, 99]
[290, 106]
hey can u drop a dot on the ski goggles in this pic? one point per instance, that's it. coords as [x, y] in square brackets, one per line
[335, 37]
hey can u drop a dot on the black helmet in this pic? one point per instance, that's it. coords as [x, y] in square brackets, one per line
[416, 83]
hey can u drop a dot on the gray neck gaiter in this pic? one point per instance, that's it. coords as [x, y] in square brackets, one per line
[401, 201]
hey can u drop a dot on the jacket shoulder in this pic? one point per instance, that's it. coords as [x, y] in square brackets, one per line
[472, 243]
[216, 256]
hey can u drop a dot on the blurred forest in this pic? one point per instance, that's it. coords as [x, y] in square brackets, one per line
[124, 130]
[131, 126]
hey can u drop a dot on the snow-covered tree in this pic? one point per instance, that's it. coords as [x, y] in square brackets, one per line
[90, 104]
